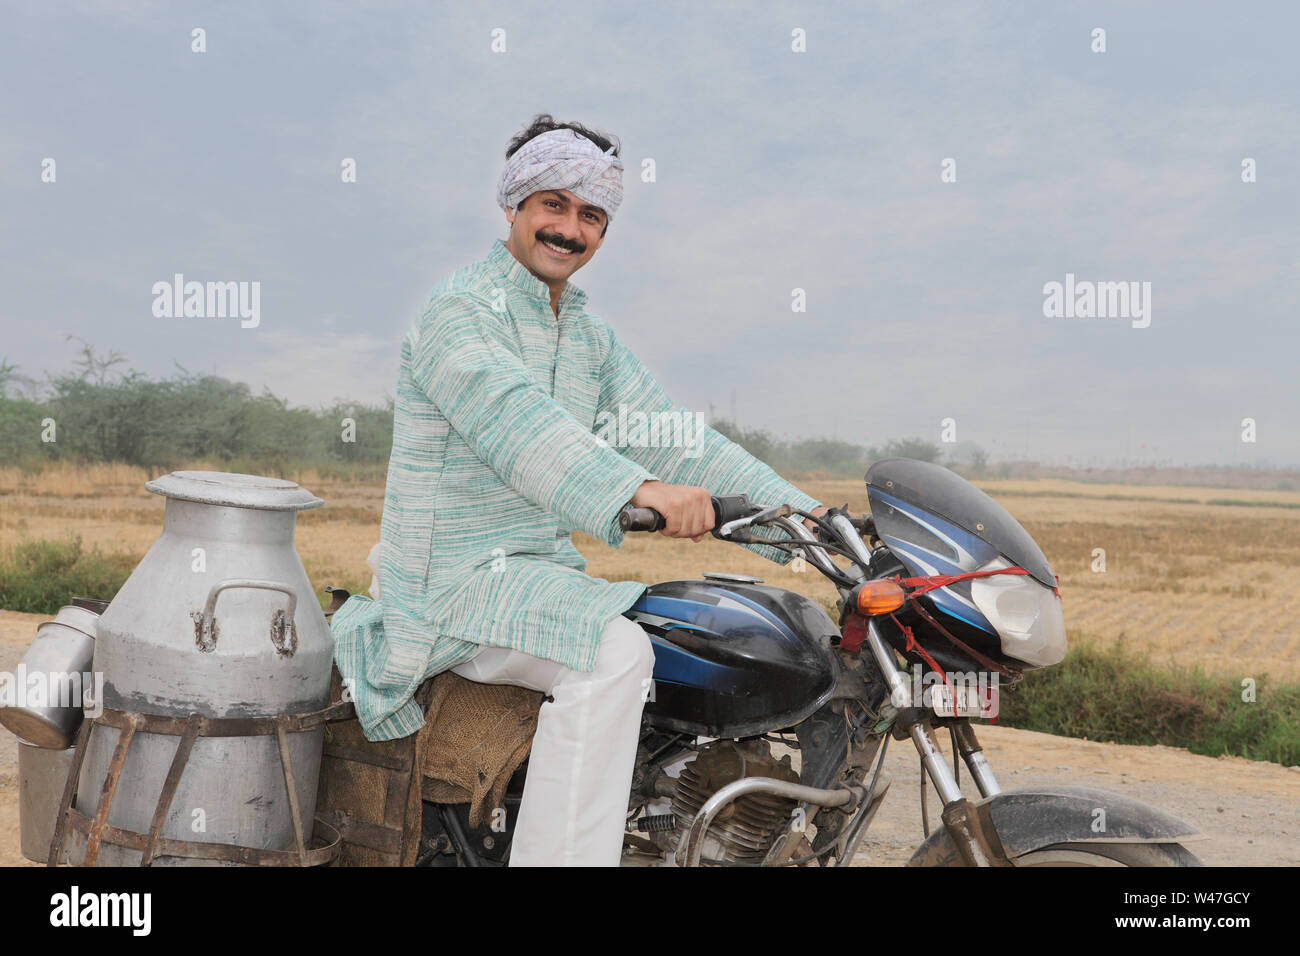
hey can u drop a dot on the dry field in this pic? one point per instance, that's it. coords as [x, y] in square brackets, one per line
[1213, 585]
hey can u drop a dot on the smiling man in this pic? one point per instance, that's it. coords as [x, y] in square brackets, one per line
[495, 462]
[540, 244]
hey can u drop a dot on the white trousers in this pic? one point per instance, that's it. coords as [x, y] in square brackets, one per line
[574, 807]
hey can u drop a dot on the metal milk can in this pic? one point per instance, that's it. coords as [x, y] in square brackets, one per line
[42, 773]
[60, 656]
[218, 620]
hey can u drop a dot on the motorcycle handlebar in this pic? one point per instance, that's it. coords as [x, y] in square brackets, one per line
[725, 508]
[640, 519]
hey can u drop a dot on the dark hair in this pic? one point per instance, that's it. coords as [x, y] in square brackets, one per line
[544, 123]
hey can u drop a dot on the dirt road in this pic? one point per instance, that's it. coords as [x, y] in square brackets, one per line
[1248, 811]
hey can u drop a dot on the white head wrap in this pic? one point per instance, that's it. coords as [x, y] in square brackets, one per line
[563, 159]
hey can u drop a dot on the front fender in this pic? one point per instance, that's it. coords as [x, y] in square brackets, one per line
[1028, 820]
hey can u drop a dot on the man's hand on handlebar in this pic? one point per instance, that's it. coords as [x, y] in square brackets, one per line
[687, 510]
[819, 511]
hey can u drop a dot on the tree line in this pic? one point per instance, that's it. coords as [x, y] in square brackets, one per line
[101, 413]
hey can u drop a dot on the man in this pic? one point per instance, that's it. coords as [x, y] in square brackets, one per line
[495, 461]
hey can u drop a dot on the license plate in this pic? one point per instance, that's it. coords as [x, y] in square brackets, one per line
[970, 702]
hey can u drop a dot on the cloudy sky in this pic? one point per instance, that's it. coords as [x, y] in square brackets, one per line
[774, 170]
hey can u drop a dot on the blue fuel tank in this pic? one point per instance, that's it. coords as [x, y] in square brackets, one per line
[735, 658]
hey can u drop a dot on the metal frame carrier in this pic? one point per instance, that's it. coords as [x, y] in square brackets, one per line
[152, 845]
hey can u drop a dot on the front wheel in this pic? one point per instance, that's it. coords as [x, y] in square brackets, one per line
[942, 852]
[1110, 854]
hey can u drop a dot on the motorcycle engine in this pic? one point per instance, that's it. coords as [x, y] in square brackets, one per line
[743, 831]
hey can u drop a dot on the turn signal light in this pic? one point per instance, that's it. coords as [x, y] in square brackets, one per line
[880, 597]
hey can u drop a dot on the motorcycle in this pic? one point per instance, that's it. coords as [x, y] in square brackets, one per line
[938, 576]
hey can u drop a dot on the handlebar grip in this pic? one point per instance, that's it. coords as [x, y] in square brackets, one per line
[725, 508]
[729, 508]
[640, 519]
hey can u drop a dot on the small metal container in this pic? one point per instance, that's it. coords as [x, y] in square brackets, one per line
[41, 776]
[59, 664]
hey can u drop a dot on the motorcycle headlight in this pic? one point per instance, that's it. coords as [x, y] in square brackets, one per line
[1027, 615]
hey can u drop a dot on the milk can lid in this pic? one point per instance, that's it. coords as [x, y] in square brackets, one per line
[238, 491]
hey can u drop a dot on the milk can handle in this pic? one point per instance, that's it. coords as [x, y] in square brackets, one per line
[283, 636]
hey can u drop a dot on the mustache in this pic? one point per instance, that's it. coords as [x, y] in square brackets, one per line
[568, 245]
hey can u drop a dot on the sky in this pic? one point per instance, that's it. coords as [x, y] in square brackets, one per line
[922, 171]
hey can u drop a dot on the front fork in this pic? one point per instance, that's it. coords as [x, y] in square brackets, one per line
[972, 834]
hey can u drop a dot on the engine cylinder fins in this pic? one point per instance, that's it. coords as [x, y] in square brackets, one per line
[743, 832]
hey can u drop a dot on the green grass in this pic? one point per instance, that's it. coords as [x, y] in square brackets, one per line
[1115, 694]
[39, 577]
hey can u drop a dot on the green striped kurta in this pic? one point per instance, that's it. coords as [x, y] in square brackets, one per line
[496, 459]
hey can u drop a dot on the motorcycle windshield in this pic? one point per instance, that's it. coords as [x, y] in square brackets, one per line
[947, 495]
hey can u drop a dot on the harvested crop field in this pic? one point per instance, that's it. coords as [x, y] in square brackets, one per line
[1215, 585]
[1195, 576]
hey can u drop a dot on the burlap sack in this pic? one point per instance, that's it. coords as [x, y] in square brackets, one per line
[477, 735]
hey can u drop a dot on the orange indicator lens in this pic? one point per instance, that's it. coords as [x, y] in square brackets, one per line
[880, 597]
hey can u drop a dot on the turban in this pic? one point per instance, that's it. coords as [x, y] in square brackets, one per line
[563, 159]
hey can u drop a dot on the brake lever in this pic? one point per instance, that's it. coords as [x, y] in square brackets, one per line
[767, 514]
